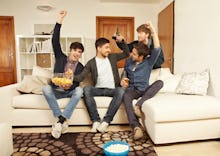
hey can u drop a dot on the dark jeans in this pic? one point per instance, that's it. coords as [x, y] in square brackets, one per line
[131, 94]
[89, 93]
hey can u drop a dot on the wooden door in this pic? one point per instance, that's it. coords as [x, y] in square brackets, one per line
[107, 26]
[166, 34]
[7, 51]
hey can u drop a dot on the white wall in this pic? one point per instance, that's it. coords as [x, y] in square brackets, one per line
[196, 26]
[163, 5]
[81, 18]
[197, 35]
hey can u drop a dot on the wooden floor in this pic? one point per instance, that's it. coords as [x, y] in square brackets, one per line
[200, 148]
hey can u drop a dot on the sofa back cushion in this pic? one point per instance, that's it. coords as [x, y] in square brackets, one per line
[170, 80]
[39, 71]
[154, 75]
[194, 83]
[32, 84]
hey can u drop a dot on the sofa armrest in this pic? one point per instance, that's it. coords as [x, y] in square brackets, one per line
[6, 96]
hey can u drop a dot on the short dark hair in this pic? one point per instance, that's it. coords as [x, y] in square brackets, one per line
[76, 45]
[142, 49]
[143, 28]
[101, 41]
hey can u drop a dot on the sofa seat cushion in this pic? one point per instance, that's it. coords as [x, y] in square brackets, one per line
[171, 107]
[33, 101]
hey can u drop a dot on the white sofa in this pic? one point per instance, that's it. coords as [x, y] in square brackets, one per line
[175, 118]
[33, 110]
[170, 117]
[6, 143]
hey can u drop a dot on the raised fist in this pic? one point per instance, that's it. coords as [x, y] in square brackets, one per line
[150, 26]
[62, 13]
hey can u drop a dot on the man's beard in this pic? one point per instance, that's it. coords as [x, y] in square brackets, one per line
[105, 55]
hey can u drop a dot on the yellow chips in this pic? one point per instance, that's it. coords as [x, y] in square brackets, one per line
[61, 81]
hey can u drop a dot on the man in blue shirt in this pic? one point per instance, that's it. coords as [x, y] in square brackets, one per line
[145, 36]
[138, 68]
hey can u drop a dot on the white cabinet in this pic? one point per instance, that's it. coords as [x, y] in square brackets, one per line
[37, 50]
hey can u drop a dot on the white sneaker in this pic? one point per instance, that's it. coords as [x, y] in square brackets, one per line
[56, 130]
[102, 127]
[94, 126]
[64, 127]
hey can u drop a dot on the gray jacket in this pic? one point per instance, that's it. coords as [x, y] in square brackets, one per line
[91, 67]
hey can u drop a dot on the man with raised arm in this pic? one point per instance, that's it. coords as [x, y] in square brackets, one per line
[138, 68]
[68, 65]
[106, 80]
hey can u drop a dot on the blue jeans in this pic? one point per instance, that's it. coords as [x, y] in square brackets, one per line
[52, 95]
[131, 94]
[89, 93]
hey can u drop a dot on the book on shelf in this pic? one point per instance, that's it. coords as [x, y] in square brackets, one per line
[47, 46]
[41, 46]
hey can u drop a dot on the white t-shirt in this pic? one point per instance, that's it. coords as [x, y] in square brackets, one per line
[105, 75]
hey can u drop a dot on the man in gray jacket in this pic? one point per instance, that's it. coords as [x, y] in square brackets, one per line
[106, 80]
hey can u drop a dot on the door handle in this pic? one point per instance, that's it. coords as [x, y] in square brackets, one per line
[11, 54]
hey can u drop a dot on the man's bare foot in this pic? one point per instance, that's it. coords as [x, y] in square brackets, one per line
[137, 111]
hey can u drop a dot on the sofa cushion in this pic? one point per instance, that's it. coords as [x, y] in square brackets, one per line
[39, 71]
[169, 107]
[154, 75]
[33, 101]
[194, 83]
[32, 84]
[170, 83]
[170, 80]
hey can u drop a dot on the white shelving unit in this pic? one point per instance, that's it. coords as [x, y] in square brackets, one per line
[37, 50]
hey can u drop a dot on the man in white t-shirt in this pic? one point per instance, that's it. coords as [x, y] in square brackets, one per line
[106, 80]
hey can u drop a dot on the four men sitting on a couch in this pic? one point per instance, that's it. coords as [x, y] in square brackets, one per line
[106, 79]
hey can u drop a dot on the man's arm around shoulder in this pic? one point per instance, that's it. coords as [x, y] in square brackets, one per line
[86, 70]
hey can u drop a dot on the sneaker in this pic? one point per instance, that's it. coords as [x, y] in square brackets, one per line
[138, 133]
[138, 112]
[95, 125]
[56, 130]
[102, 127]
[64, 127]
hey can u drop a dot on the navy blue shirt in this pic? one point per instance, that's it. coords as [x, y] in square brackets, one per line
[61, 58]
[160, 59]
[139, 74]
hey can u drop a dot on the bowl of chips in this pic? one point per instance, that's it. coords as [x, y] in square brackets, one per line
[62, 79]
